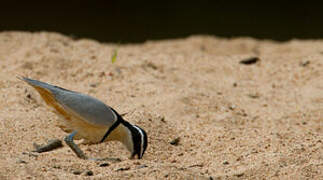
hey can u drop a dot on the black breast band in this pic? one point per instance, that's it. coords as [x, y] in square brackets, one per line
[115, 125]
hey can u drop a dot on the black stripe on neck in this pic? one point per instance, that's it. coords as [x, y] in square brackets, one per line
[114, 125]
[136, 138]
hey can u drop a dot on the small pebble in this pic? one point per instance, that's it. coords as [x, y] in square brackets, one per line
[102, 74]
[239, 174]
[77, 172]
[152, 65]
[123, 169]
[20, 161]
[28, 96]
[254, 96]
[225, 162]
[111, 74]
[162, 119]
[89, 173]
[57, 167]
[196, 165]
[104, 164]
[142, 166]
[304, 63]
[232, 107]
[249, 61]
[175, 142]
[94, 85]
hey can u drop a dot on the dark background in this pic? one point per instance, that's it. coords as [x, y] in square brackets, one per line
[137, 21]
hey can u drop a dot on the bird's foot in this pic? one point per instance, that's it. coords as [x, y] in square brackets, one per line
[51, 145]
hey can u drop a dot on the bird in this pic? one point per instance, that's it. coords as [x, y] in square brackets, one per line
[88, 118]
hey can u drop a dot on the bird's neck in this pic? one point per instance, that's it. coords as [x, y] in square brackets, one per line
[123, 134]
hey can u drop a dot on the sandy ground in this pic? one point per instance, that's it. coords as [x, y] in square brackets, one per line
[234, 121]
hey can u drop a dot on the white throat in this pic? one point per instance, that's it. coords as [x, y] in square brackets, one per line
[142, 139]
[122, 134]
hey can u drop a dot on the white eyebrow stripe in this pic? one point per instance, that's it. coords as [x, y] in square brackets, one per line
[142, 139]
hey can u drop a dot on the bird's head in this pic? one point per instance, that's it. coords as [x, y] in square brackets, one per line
[140, 141]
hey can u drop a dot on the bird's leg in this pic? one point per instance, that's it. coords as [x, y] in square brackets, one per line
[69, 141]
[51, 145]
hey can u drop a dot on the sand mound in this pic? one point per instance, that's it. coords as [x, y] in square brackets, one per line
[233, 120]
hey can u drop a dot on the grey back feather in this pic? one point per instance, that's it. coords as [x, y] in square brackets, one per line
[88, 108]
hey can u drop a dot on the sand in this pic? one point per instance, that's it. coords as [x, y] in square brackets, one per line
[234, 121]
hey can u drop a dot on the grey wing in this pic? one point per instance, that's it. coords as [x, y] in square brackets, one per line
[85, 107]
[88, 108]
